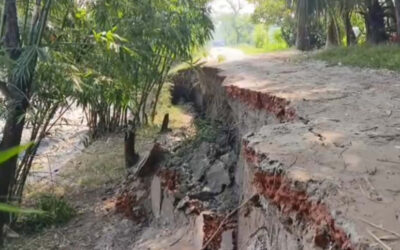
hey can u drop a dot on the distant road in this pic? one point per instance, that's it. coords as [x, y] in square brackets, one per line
[229, 54]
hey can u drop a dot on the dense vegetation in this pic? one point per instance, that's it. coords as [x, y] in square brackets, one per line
[109, 57]
[243, 31]
[310, 24]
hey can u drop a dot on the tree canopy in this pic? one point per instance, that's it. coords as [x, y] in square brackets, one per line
[109, 57]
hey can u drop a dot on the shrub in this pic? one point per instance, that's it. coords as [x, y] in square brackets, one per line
[260, 35]
[206, 131]
[56, 210]
[269, 38]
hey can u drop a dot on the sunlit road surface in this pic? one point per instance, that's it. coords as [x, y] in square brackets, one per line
[225, 54]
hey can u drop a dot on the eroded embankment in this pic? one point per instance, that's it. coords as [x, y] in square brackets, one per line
[287, 217]
[237, 190]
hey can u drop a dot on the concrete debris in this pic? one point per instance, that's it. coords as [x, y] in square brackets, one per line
[218, 177]
[228, 242]
[304, 155]
[149, 165]
[156, 196]
[229, 159]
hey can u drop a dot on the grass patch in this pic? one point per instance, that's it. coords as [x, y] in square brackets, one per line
[178, 116]
[376, 57]
[56, 210]
[205, 130]
[101, 164]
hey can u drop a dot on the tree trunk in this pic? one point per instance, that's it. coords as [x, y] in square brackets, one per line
[332, 39]
[12, 134]
[302, 40]
[131, 157]
[156, 99]
[375, 20]
[14, 126]
[350, 35]
[164, 127]
[397, 9]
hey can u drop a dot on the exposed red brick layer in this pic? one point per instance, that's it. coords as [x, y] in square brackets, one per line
[126, 203]
[263, 101]
[251, 155]
[169, 179]
[277, 189]
[211, 224]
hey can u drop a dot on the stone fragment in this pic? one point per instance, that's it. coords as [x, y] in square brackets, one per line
[217, 177]
[227, 242]
[199, 234]
[167, 208]
[156, 196]
[229, 159]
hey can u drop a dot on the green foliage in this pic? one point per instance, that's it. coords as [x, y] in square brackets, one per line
[288, 27]
[270, 11]
[358, 21]
[234, 29]
[205, 130]
[109, 57]
[378, 57]
[251, 50]
[268, 38]
[56, 212]
[260, 35]
[6, 155]
[16, 210]
[134, 60]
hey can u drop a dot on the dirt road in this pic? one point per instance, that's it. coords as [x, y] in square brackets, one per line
[225, 54]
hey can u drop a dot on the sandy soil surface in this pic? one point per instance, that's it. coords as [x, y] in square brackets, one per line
[346, 136]
[65, 141]
[88, 178]
[225, 53]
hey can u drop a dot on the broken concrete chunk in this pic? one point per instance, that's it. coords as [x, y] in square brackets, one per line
[156, 196]
[167, 208]
[217, 177]
[199, 166]
[227, 242]
[199, 234]
[229, 159]
[149, 165]
[204, 148]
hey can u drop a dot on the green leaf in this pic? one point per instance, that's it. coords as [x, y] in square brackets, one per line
[8, 154]
[16, 210]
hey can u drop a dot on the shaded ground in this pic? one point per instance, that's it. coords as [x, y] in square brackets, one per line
[88, 179]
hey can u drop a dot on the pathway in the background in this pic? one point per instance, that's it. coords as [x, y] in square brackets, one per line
[225, 54]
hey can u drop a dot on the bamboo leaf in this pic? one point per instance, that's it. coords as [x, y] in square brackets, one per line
[8, 154]
[17, 210]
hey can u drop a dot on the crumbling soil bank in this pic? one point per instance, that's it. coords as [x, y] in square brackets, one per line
[324, 175]
[275, 106]
[233, 103]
